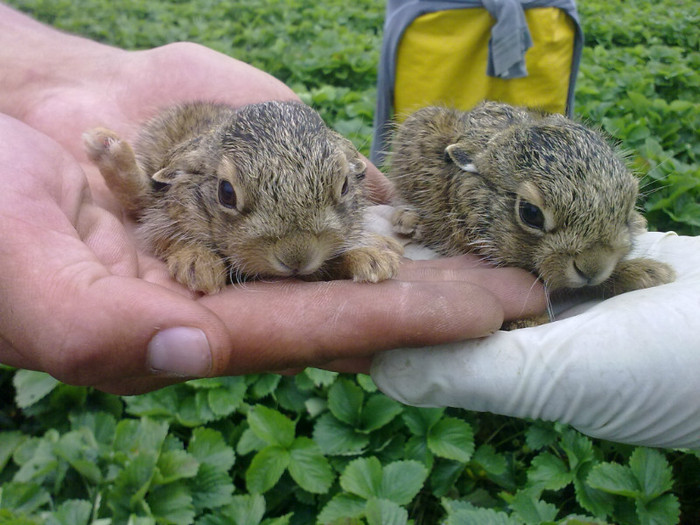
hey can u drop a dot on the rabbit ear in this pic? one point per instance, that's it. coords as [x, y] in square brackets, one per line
[167, 175]
[460, 157]
[358, 167]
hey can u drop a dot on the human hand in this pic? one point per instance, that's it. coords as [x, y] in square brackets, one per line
[84, 303]
[626, 369]
[66, 85]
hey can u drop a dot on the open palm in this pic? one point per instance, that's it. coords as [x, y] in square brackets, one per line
[84, 303]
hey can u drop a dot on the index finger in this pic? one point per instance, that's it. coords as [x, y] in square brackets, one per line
[292, 324]
[380, 190]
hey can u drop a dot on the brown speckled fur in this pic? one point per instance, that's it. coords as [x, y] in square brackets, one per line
[299, 189]
[467, 197]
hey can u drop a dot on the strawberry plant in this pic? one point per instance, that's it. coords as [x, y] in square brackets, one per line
[321, 447]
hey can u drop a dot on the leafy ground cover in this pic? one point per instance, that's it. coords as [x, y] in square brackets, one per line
[326, 448]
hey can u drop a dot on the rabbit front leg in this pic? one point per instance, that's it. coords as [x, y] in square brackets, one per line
[635, 274]
[116, 161]
[405, 220]
[196, 267]
[376, 259]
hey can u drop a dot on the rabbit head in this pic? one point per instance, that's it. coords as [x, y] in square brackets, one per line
[272, 190]
[554, 198]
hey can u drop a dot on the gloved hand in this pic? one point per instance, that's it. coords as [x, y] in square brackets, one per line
[625, 369]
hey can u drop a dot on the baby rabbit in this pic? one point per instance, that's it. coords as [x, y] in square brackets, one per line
[521, 189]
[265, 190]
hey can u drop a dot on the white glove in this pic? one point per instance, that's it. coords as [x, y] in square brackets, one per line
[626, 369]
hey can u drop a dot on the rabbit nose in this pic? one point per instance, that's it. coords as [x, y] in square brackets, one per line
[582, 274]
[297, 255]
[592, 269]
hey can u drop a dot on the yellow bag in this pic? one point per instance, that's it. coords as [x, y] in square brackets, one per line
[458, 53]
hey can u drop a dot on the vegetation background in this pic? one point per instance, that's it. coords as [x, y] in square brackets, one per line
[326, 448]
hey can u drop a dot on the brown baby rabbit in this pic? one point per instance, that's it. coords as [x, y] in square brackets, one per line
[521, 189]
[266, 190]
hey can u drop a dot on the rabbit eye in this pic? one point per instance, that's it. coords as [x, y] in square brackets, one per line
[531, 215]
[344, 188]
[227, 196]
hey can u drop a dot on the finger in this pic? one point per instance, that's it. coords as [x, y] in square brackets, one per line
[428, 268]
[358, 365]
[521, 295]
[380, 189]
[293, 324]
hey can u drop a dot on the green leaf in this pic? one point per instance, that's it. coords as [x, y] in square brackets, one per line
[172, 503]
[212, 487]
[131, 484]
[139, 520]
[593, 500]
[337, 438]
[402, 480]
[271, 426]
[282, 520]
[174, 465]
[266, 468]
[309, 467]
[420, 420]
[451, 438]
[265, 386]
[660, 511]
[315, 406]
[41, 462]
[342, 506]
[345, 402]
[444, 475]
[491, 461]
[417, 448]
[225, 401]
[162, 403]
[320, 378]
[208, 446]
[72, 512]
[9, 441]
[384, 512]
[578, 448]
[31, 386]
[464, 513]
[194, 410]
[292, 398]
[249, 442]
[247, 509]
[540, 435]
[207, 382]
[378, 412]
[101, 425]
[615, 479]
[652, 472]
[79, 449]
[548, 472]
[363, 477]
[139, 436]
[531, 509]
[23, 497]
[365, 381]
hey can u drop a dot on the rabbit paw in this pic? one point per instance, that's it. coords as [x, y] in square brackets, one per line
[374, 262]
[117, 163]
[109, 153]
[525, 323]
[406, 221]
[198, 269]
[635, 274]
